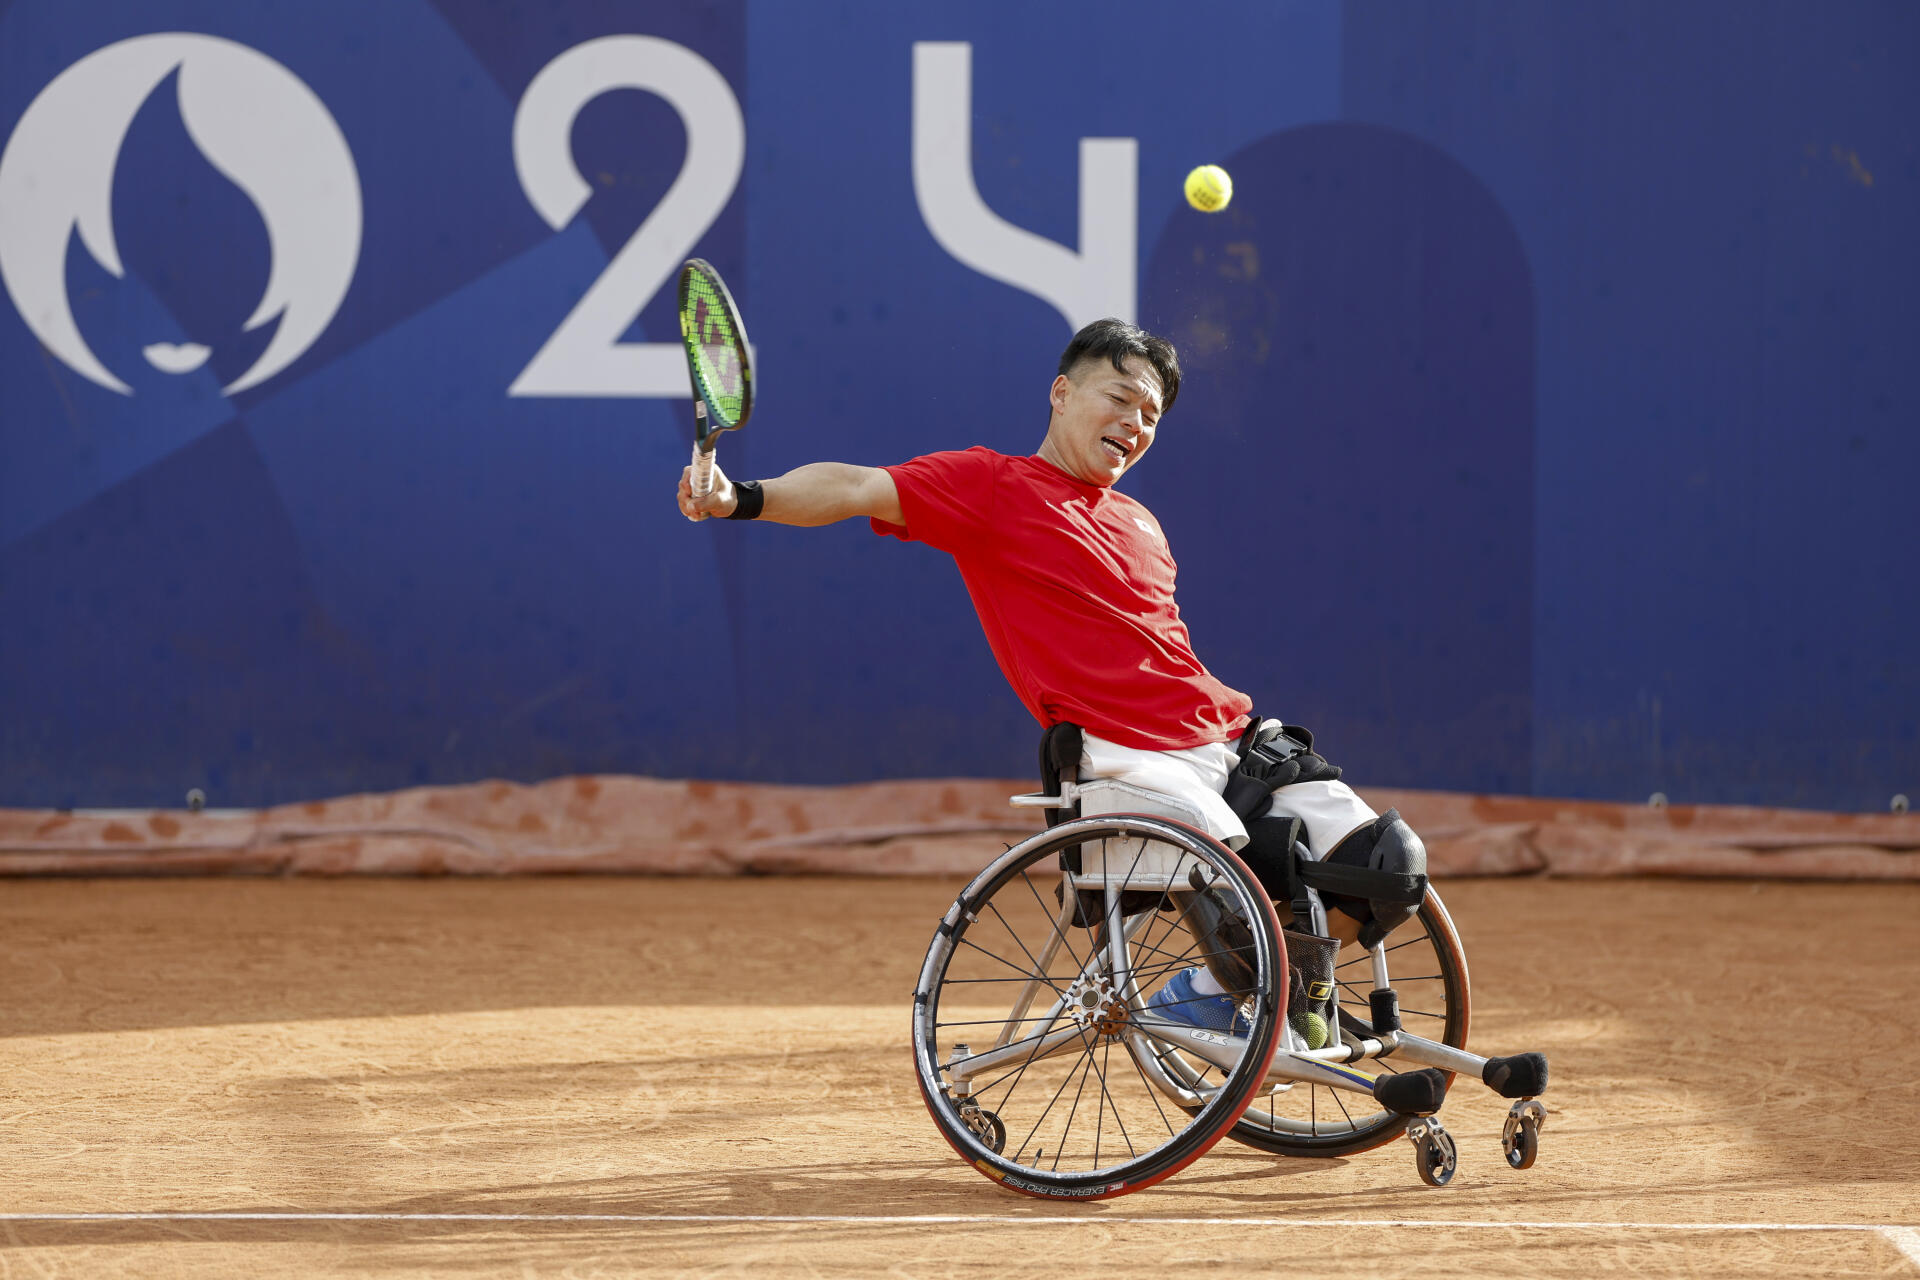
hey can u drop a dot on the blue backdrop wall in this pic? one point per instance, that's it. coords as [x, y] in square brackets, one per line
[1550, 422]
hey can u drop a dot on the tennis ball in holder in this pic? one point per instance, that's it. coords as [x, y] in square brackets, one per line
[1311, 1027]
[1209, 188]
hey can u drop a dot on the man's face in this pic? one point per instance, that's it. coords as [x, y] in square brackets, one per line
[1103, 419]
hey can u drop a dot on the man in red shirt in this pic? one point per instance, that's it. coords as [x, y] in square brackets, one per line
[1074, 586]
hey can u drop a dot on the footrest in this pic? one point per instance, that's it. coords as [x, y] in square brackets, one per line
[1412, 1093]
[1524, 1075]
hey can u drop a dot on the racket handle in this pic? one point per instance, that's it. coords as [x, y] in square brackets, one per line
[702, 471]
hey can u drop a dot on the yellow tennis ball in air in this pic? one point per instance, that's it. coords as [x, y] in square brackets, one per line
[1209, 188]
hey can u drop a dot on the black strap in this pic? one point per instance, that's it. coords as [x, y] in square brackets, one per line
[1362, 882]
[1271, 854]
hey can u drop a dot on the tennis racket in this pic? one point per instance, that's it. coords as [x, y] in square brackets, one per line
[718, 363]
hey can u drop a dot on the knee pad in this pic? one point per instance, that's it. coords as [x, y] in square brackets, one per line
[1389, 847]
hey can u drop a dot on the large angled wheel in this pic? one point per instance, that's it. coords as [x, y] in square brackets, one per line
[1429, 971]
[1034, 1045]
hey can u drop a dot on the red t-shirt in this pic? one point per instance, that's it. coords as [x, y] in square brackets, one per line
[1074, 587]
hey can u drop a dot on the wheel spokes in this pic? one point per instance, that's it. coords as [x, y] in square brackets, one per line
[1047, 1076]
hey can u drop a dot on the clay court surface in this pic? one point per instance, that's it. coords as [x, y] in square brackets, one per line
[630, 1076]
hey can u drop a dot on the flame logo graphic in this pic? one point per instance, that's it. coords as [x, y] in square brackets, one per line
[253, 120]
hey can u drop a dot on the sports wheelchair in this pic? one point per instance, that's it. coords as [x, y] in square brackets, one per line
[1048, 1068]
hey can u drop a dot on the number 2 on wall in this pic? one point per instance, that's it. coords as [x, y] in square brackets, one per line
[584, 356]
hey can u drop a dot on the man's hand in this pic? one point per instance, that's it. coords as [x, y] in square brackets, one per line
[720, 502]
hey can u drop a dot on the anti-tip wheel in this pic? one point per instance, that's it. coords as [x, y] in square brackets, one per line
[986, 1126]
[1434, 1154]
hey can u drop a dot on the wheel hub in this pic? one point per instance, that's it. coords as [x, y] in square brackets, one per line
[1096, 1005]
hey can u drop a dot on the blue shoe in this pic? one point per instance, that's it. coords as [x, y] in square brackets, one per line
[1178, 1002]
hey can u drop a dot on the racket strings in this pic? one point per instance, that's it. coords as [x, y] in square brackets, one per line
[713, 344]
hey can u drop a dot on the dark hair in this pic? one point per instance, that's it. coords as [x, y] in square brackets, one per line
[1115, 340]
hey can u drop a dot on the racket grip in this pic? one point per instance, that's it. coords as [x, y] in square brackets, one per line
[702, 471]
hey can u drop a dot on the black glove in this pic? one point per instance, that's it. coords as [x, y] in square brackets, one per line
[1270, 759]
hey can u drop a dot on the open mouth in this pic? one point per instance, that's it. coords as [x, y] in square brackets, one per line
[1118, 450]
[169, 357]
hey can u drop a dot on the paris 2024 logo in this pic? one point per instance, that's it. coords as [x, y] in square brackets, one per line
[252, 120]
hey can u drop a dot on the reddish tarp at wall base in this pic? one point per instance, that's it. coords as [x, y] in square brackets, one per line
[950, 826]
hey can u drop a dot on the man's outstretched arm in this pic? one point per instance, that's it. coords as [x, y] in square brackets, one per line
[818, 493]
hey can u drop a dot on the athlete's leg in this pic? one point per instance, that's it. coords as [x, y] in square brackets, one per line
[1342, 828]
[1389, 847]
[1330, 811]
[1196, 775]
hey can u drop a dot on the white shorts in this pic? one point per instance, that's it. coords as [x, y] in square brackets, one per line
[1330, 810]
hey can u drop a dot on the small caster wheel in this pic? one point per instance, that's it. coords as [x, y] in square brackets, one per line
[1434, 1154]
[985, 1126]
[1520, 1137]
[1523, 1144]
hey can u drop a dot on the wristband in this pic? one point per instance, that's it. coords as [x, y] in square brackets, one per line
[747, 500]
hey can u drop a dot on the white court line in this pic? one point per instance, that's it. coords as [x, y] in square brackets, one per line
[1906, 1239]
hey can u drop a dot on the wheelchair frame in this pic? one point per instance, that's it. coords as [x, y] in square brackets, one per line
[1169, 857]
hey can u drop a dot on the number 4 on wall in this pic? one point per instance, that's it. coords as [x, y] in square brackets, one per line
[584, 356]
[1085, 285]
